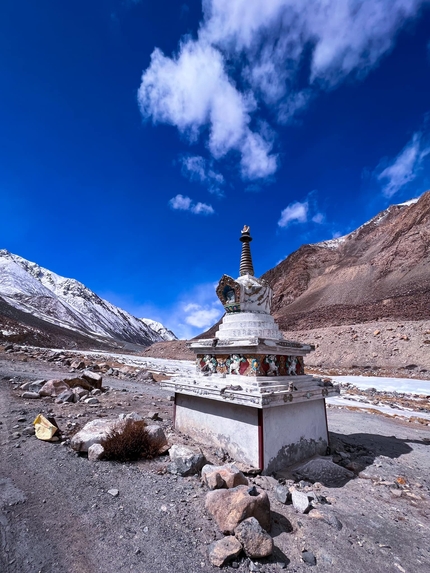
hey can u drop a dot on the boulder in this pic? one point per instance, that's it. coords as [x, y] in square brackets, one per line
[79, 383]
[66, 396]
[256, 542]
[324, 471]
[231, 506]
[224, 550]
[227, 476]
[53, 388]
[33, 386]
[80, 392]
[78, 364]
[94, 433]
[93, 378]
[185, 462]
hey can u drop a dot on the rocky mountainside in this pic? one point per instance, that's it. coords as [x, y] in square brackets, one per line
[379, 271]
[36, 301]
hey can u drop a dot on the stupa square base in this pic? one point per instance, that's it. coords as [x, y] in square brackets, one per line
[269, 438]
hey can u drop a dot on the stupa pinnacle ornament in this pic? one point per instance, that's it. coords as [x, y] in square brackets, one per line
[246, 266]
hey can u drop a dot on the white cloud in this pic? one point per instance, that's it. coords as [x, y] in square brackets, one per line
[202, 209]
[318, 218]
[294, 212]
[251, 53]
[201, 317]
[406, 165]
[181, 203]
[196, 168]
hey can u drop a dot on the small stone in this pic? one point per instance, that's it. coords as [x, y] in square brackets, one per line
[300, 501]
[309, 558]
[224, 550]
[30, 395]
[376, 332]
[184, 461]
[95, 452]
[153, 415]
[256, 542]
[282, 494]
[227, 476]
[113, 492]
[91, 401]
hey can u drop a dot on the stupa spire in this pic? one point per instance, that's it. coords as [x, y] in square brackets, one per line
[246, 266]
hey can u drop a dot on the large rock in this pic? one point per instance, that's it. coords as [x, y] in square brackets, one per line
[324, 471]
[80, 383]
[227, 476]
[66, 396]
[224, 550]
[256, 542]
[54, 388]
[157, 435]
[231, 506]
[185, 462]
[94, 433]
[93, 378]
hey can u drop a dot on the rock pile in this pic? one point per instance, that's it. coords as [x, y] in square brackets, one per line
[83, 388]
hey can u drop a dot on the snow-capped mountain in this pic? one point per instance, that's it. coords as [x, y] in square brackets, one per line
[67, 303]
[160, 328]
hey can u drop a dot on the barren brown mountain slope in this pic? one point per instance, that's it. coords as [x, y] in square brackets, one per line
[380, 271]
[362, 300]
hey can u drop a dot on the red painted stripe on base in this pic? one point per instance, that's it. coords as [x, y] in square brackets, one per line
[260, 440]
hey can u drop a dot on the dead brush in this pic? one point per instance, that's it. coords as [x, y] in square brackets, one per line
[130, 442]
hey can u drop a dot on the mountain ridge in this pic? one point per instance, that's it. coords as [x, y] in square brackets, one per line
[68, 304]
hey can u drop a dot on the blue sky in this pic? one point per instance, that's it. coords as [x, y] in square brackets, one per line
[137, 138]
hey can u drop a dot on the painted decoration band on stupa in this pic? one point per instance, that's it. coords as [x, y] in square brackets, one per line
[250, 365]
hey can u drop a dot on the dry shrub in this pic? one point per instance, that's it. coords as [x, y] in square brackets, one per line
[130, 443]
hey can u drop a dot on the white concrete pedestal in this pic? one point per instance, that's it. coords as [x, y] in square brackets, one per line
[269, 427]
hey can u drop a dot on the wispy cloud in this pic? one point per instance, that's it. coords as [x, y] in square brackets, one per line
[183, 203]
[302, 212]
[406, 166]
[251, 55]
[296, 211]
[199, 316]
[197, 168]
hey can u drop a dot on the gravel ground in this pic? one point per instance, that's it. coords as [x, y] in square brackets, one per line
[56, 514]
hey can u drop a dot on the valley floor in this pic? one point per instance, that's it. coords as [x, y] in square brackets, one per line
[56, 514]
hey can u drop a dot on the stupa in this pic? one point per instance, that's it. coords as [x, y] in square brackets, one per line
[250, 395]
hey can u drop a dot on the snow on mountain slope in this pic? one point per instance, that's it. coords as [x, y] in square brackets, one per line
[160, 328]
[68, 303]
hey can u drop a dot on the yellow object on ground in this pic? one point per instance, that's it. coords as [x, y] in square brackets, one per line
[43, 427]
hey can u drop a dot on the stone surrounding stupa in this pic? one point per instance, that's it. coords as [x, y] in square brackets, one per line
[250, 395]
